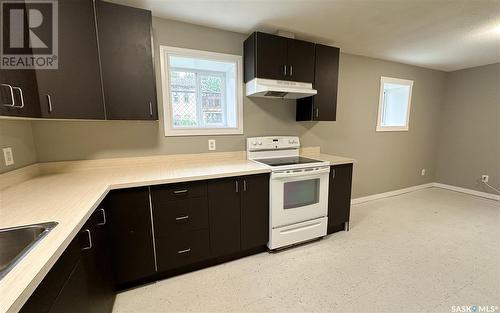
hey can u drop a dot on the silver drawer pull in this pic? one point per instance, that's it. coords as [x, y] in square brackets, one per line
[180, 218]
[180, 191]
[90, 240]
[103, 218]
[11, 90]
[184, 251]
[49, 102]
[21, 96]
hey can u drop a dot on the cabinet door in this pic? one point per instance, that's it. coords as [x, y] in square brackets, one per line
[97, 262]
[323, 105]
[73, 90]
[255, 211]
[73, 296]
[270, 56]
[130, 230]
[19, 93]
[18, 89]
[326, 82]
[300, 61]
[339, 196]
[224, 216]
[42, 299]
[127, 62]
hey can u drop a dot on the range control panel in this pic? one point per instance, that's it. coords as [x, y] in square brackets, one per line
[272, 143]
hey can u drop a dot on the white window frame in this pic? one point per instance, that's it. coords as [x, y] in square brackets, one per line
[383, 80]
[165, 52]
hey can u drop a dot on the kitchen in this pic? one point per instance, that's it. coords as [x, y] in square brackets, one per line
[80, 172]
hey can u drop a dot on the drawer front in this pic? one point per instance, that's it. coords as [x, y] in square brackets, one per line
[182, 249]
[172, 192]
[171, 217]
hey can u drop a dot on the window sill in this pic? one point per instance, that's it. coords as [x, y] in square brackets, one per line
[392, 128]
[203, 132]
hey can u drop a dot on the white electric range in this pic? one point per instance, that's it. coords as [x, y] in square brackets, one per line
[298, 190]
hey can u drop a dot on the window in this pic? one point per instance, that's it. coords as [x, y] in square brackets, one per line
[394, 104]
[202, 92]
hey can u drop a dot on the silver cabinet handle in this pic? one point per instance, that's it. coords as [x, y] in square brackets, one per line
[284, 70]
[90, 240]
[22, 97]
[183, 251]
[11, 96]
[333, 173]
[291, 70]
[317, 112]
[150, 109]
[49, 101]
[236, 185]
[180, 191]
[103, 217]
[180, 218]
[244, 185]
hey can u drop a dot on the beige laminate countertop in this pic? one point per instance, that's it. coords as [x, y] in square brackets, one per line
[68, 193]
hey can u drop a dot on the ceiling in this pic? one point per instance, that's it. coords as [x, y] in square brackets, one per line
[440, 34]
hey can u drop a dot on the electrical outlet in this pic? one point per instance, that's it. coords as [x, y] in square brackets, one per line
[485, 178]
[7, 156]
[422, 173]
[211, 144]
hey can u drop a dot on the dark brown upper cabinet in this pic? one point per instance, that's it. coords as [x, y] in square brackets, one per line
[127, 63]
[19, 93]
[18, 87]
[276, 57]
[73, 90]
[323, 105]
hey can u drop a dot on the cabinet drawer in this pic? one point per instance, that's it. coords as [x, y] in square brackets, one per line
[182, 249]
[178, 191]
[180, 215]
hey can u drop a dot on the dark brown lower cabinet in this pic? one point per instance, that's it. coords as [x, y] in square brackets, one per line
[239, 213]
[181, 249]
[80, 280]
[131, 234]
[180, 215]
[255, 211]
[225, 215]
[339, 197]
[147, 233]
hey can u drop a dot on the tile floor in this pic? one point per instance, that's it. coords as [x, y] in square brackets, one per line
[424, 251]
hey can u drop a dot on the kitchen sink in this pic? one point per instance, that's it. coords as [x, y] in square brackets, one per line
[16, 242]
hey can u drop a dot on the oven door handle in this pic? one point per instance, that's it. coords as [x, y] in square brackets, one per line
[303, 172]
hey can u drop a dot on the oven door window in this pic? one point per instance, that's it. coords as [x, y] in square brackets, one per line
[300, 193]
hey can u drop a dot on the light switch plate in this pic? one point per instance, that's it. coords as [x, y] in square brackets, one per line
[7, 156]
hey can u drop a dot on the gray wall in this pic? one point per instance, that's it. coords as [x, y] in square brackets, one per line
[19, 136]
[386, 160]
[469, 138]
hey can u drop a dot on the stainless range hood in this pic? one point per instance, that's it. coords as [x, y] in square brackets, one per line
[269, 88]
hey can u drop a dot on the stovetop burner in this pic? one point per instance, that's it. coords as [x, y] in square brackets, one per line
[287, 161]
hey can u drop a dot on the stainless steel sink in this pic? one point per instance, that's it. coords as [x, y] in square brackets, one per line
[16, 242]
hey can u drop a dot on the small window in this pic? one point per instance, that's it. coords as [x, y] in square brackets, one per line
[394, 104]
[202, 92]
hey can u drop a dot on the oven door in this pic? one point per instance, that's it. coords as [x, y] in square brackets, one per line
[299, 195]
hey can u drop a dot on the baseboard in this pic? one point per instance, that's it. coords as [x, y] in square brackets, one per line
[390, 193]
[468, 191]
[423, 186]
